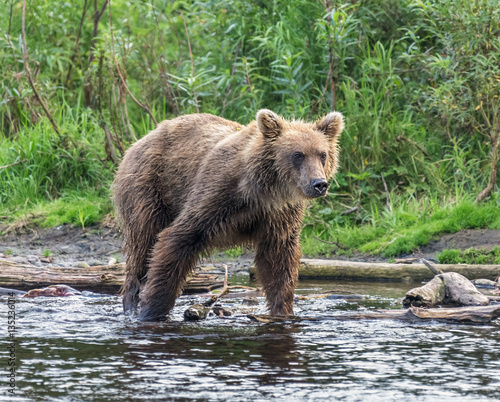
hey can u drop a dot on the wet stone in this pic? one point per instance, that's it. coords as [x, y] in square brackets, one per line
[19, 259]
[250, 301]
[81, 264]
[94, 261]
[32, 258]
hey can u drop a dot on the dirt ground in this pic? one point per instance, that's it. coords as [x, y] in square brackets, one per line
[67, 246]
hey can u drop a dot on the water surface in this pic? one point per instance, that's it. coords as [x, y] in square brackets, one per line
[84, 348]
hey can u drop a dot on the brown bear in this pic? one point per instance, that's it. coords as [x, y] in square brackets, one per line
[200, 182]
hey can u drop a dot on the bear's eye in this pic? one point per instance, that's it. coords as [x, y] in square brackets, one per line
[323, 157]
[298, 155]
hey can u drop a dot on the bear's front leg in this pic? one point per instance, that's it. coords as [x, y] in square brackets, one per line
[174, 257]
[277, 261]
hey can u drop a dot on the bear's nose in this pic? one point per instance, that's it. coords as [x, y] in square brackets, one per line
[319, 185]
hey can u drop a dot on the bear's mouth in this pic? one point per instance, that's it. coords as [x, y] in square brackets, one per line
[311, 194]
[316, 188]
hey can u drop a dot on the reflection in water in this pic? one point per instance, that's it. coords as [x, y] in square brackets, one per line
[84, 348]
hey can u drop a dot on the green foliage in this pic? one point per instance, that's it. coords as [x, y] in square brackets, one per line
[418, 83]
[470, 256]
[409, 226]
[81, 208]
[46, 167]
[235, 252]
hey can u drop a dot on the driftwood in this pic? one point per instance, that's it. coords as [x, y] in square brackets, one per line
[464, 315]
[352, 270]
[100, 279]
[428, 295]
[448, 288]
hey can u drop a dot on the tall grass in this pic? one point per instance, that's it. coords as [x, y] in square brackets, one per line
[417, 82]
[72, 172]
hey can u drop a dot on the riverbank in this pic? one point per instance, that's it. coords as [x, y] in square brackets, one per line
[68, 245]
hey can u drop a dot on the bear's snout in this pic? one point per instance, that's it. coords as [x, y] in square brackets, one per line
[319, 187]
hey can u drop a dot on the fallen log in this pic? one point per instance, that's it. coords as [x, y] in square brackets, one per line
[352, 270]
[100, 279]
[462, 315]
[461, 291]
[428, 295]
[448, 288]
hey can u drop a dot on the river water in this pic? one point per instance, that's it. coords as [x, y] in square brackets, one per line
[84, 348]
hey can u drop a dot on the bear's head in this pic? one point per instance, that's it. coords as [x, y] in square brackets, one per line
[305, 154]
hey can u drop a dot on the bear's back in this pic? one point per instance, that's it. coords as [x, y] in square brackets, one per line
[183, 145]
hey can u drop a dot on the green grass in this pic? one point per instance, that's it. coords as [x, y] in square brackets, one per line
[48, 181]
[470, 256]
[235, 252]
[410, 226]
[73, 208]
[77, 208]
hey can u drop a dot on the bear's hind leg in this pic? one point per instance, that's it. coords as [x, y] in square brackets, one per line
[141, 226]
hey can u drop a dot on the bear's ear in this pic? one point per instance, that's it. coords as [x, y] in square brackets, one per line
[331, 125]
[269, 123]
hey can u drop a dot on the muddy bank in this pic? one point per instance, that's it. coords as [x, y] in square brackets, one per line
[70, 246]
[67, 245]
[64, 245]
[464, 239]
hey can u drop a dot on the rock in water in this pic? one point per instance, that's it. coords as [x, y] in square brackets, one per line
[199, 311]
[220, 311]
[196, 312]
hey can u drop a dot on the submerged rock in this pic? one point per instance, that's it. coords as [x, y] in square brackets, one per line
[345, 297]
[220, 311]
[81, 264]
[198, 312]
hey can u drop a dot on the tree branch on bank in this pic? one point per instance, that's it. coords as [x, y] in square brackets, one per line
[143, 106]
[492, 122]
[28, 74]
[14, 164]
[97, 17]
[330, 57]
[75, 50]
[87, 87]
[192, 61]
[233, 70]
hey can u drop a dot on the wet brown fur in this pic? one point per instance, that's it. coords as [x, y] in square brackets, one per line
[199, 182]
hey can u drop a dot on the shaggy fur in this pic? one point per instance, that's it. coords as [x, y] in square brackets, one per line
[200, 182]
